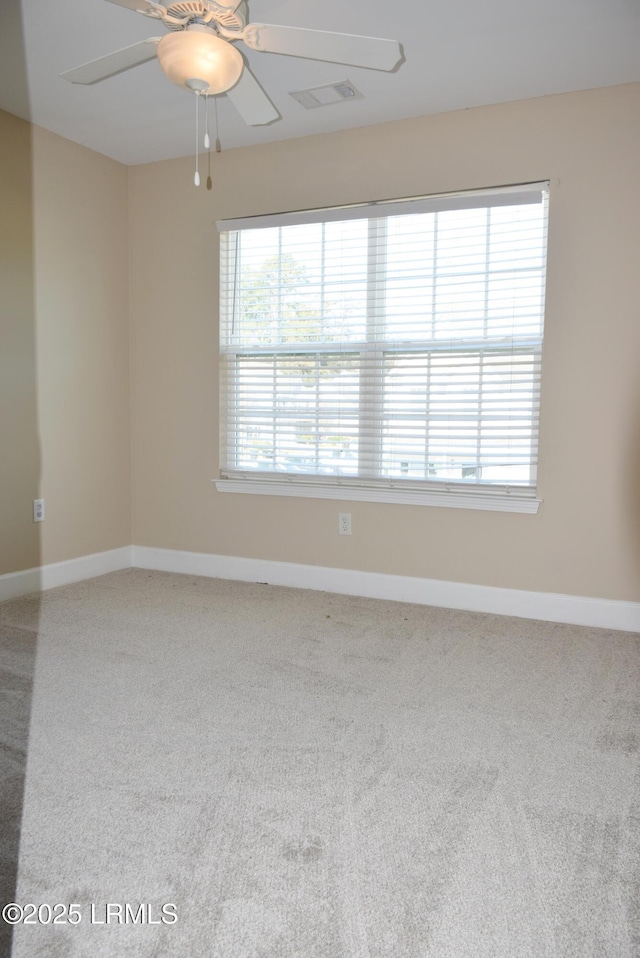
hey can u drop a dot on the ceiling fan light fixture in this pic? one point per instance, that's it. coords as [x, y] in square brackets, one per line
[191, 57]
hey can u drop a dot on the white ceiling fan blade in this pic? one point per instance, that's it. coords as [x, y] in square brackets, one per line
[140, 6]
[370, 52]
[251, 102]
[112, 63]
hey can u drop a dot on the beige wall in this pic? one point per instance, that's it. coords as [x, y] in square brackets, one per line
[65, 421]
[586, 538]
[19, 443]
[82, 323]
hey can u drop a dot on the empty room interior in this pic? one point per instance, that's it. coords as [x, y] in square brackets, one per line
[320, 471]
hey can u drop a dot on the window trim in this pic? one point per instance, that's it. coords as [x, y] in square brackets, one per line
[496, 498]
[449, 497]
[434, 203]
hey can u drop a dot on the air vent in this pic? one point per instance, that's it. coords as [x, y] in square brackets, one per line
[326, 95]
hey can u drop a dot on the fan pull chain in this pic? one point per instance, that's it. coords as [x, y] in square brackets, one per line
[196, 178]
[218, 147]
[207, 141]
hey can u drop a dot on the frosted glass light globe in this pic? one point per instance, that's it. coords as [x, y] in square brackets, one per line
[200, 56]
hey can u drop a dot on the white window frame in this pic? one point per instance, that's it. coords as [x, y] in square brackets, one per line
[420, 492]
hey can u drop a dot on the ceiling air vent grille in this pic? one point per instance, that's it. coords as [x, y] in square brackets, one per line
[327, 95]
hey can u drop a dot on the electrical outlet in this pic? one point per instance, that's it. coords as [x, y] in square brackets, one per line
[38, 510]
[344, 523]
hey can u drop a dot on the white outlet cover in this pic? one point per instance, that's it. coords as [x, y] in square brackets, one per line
[344, 523]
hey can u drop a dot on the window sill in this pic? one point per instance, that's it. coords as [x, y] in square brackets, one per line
[454, 499]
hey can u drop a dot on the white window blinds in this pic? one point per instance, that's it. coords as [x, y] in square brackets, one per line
[390, 345]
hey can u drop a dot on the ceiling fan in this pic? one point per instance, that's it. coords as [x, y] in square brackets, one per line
[198, 52]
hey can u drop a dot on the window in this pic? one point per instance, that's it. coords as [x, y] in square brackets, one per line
[389, 351]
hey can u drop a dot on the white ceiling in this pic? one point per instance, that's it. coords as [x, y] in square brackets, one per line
[458, 54]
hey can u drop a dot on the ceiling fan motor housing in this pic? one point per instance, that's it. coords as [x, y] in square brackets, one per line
[179, 14]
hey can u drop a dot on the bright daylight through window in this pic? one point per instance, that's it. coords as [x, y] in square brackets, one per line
[390, 351]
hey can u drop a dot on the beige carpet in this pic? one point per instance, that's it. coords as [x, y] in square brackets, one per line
[306, 775]
[17, 662]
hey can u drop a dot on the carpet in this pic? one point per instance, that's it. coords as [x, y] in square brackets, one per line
[233, 770]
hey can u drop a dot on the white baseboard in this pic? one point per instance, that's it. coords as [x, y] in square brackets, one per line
[14, 584]
[548, 606]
